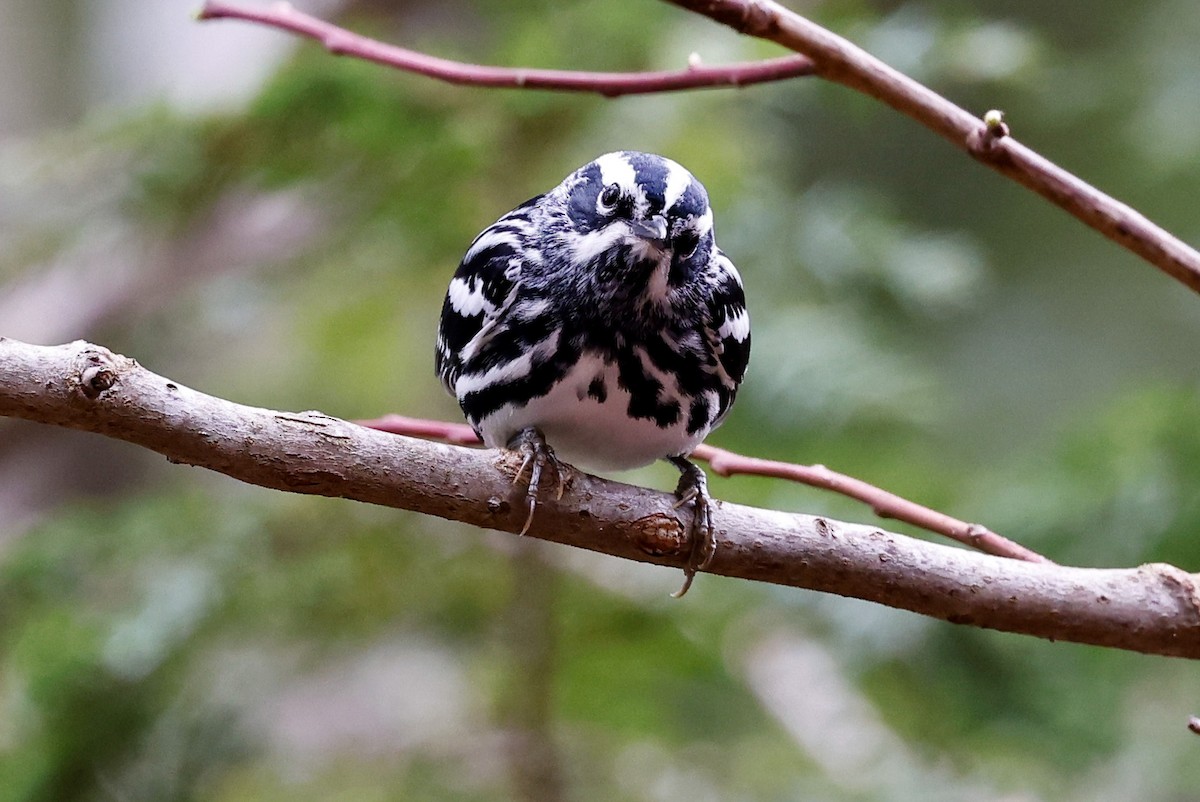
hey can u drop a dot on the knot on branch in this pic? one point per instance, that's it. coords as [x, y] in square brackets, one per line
[1182, 584]
[98, 373]
[660, 534]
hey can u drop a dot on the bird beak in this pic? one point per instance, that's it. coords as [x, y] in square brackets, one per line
[654, 229]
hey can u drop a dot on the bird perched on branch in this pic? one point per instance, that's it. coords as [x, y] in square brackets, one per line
[600, 323]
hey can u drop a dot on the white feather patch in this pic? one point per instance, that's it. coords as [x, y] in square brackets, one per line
[508, 371]
[490, 239]
[586, 432]
[736, 326]
[678, 180]
[465, 300]
[616, 169]
[591, 245]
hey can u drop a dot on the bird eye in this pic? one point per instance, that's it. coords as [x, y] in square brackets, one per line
[610, 196]
[686, 244]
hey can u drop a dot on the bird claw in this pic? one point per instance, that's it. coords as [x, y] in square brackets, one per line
[693, 488]
[536, 455]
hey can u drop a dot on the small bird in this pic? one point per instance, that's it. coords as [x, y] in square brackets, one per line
[600, 323]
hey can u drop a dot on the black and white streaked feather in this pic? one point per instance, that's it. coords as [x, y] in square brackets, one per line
[603, 315]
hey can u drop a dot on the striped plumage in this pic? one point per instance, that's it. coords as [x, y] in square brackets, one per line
[603, 315]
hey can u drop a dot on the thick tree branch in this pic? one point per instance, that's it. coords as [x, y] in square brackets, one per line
[1153, 609]
[728, 463]
[342, 42]
[836, 59]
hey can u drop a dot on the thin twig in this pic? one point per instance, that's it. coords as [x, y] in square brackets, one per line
[883, 503]
[838, 60]
[729, 463]
[821, 52]
[457, 433]
[342, 42]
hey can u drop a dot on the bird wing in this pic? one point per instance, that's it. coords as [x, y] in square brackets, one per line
[482, 288]
[729, 326]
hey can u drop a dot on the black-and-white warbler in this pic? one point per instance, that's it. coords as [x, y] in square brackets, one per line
[600, 320]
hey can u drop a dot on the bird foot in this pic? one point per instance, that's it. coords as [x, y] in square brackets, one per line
[536, 456]
[693, 488]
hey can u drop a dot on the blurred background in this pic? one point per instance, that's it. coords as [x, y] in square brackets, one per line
[259, 220]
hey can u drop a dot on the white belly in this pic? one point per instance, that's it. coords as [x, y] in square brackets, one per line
[585, 432]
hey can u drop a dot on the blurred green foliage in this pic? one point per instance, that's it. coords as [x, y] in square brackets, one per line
[919, 322]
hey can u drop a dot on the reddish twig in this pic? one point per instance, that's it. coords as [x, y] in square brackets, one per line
[838, 60]
[457, 433]
[822, 53]
[342, 42]
[882, 503]
[727, 463]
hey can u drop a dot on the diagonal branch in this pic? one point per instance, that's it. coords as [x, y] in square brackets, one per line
[883, 503]
[729, 463]
[822, 53]
[1153, 609]
[838, 60]
[342, 42]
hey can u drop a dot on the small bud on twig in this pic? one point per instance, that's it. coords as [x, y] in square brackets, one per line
[994, 120]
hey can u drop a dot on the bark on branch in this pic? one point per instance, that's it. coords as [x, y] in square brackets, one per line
[1153, 609]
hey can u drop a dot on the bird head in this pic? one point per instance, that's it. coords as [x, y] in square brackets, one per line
[636, 212]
